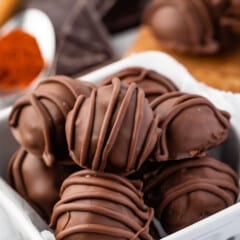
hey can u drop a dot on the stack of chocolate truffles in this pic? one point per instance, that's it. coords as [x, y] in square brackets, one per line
[101, 161]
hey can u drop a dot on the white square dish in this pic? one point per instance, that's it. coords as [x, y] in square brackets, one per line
[222, 225]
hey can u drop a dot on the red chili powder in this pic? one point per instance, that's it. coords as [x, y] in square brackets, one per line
[20, 60]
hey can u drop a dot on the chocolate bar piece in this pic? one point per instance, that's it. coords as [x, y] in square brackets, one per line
[85, 42]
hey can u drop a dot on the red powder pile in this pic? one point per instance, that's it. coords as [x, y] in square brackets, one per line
[20, 60]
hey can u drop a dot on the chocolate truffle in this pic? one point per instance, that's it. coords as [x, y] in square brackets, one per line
[153, 83]
[38, 119]
[187, 26]
[99, 206]
[112, 130]
[187, 191]
[190, 125]
[37, 183]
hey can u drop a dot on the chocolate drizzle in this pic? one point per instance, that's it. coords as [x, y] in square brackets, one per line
[204, 182]
[190, 125]
[112, 205]
[153, 83]
[112, 130]
[190, 26]
[37, 183]
[38, 119]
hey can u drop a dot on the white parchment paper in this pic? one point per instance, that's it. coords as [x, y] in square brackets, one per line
[18, 220]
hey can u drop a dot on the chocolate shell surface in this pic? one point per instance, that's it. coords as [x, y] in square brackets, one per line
[187, 191]
[38, 119]
[38, 184]
[112, 130]
[153, 83]
[100, 206]
[190, 125]
[188, 26]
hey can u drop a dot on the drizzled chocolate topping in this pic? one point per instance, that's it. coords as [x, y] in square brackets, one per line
[187, 191]
[183, 25]
[153, 83]
[37, 183]
[190, 125]
[112, 130]
[190, 26]
[101, 206]
[38, 119]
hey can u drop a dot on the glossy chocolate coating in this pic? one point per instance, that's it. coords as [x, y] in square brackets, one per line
[190, 125]
[189, 26]
[100, 206]
[153, 83]
[187, 191]
[37, 183]
[112, 130]
[38, 119]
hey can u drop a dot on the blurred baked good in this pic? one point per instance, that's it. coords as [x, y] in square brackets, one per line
[7, 9]
[220, 70]
[190, 26]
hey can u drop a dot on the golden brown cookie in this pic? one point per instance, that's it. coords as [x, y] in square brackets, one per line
[221, 71]
[7, 9]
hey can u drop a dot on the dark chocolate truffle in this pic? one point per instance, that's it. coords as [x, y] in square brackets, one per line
[38, 119]
[112, 130]
[186, 26]
[100, 206]
[187, 191]
[153, 83]
[37, 183]
[190, 125]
